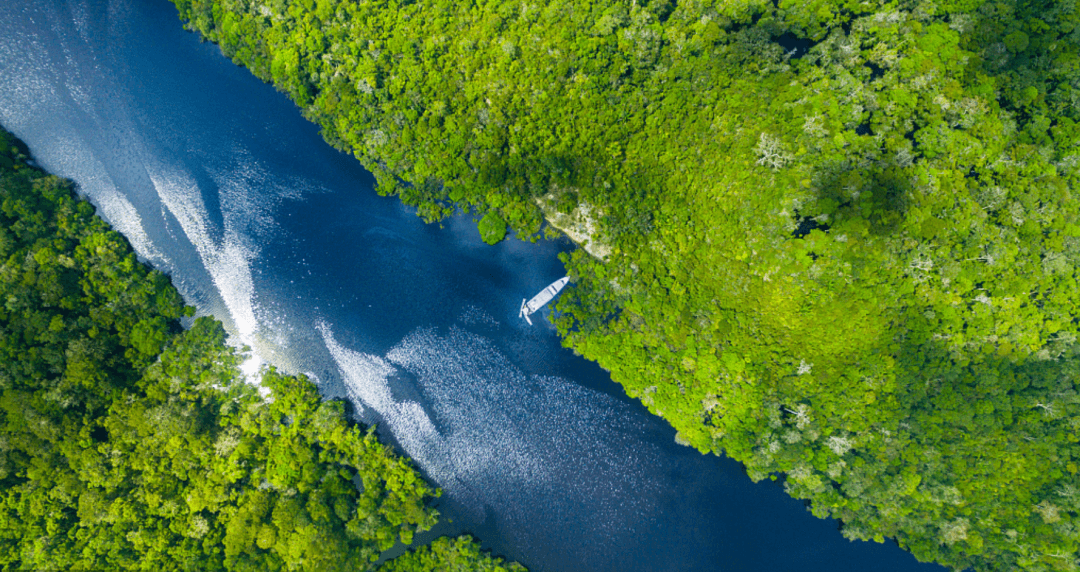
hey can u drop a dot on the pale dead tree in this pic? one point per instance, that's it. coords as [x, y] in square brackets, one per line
[904, 158]
[1012, 535]
[198, 528]
[969, 110]
[836, 469]
[839, 445]
[918, 83]
[771, 152]
[1017, 213]
[889, 18]
[955, 531]
[801, 472]
[991, 198]
[1068, 162]
[376, 138]
[814, 126]
[1049, 513]
[961, 22]
[1055, 263]
[801, 413]
[853, 191]
[226, 442]
[1062, 554]
[923, 264]
[986, 257]
[1048, 408]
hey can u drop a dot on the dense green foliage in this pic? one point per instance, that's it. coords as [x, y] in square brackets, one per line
[129, 443]
[841, 236]
[459, 554]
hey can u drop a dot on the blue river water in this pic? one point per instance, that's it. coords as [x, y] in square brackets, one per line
[216, 179]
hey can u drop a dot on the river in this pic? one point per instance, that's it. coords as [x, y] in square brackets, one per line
[217, 180]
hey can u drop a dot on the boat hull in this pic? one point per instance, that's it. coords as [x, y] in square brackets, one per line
[545, 296]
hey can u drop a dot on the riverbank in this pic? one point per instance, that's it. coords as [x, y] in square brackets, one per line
[232, 195]
[707, 138]
[110, 406]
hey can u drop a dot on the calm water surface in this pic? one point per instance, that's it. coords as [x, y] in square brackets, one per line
[216, 179]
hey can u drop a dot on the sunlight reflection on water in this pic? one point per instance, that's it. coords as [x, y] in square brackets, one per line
[217, 180]
[490, 427]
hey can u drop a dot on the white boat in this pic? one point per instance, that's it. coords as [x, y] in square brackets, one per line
[542, 298]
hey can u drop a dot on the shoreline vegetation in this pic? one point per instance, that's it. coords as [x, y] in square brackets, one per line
[130, 443]
[843, 236]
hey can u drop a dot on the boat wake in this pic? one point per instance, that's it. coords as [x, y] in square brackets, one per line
[532, 449]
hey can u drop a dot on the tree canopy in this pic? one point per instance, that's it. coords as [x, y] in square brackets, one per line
[835, 240]
[128, 442]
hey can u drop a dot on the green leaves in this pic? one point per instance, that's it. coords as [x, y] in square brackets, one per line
[733, 362]
[128, 443]
[457, 554]
[492, 228]
[893, 359]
